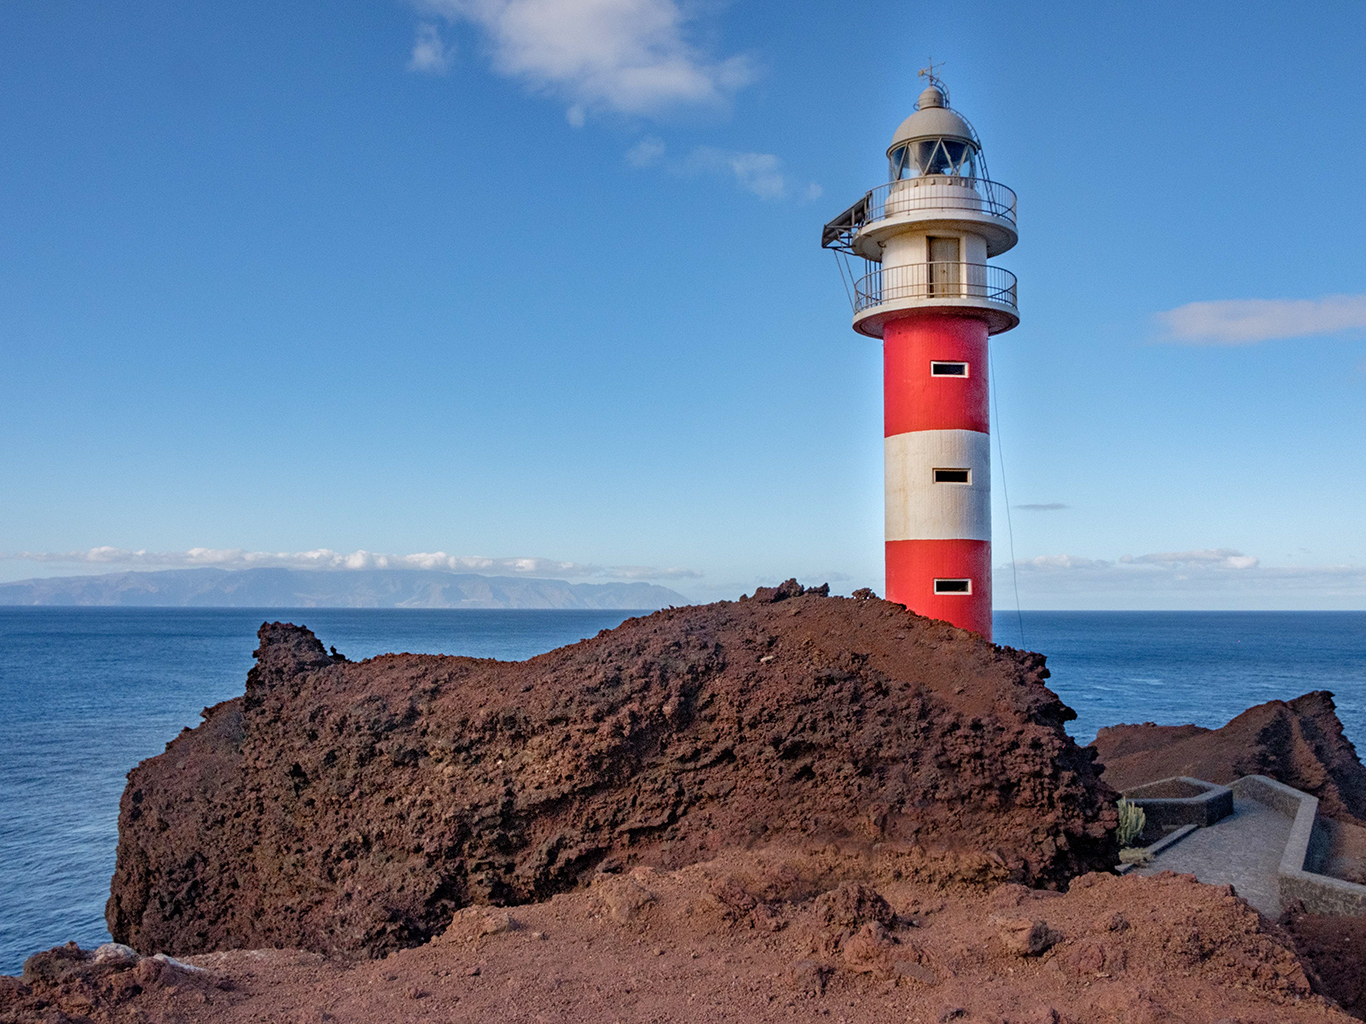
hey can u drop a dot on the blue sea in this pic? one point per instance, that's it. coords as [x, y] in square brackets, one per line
[89, 692]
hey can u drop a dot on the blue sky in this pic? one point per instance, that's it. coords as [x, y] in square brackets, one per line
[535, 285]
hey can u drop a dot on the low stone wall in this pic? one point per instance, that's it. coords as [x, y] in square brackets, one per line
[1181, 800]
[1320, 894]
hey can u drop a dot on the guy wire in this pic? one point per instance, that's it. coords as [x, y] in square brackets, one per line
[1005, 491]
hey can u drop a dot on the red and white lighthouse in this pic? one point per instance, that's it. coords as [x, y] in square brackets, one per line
[930, 295]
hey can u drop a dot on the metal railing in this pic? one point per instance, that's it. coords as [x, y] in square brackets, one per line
[909, 195]
[928, 281]
[941, 192]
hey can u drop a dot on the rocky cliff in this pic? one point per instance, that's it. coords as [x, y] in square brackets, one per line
[1298, 742]
[353, 807]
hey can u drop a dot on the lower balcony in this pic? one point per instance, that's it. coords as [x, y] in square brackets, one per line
[982, 288]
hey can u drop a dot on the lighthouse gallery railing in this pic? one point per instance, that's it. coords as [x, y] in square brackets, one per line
[928, 281]
[936, 192]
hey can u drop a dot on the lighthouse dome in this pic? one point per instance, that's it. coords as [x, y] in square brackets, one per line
[934, 140]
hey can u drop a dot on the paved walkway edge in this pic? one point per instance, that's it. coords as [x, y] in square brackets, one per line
[1320, 894]
[1170, 839]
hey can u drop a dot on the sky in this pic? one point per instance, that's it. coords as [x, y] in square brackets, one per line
[536, 286]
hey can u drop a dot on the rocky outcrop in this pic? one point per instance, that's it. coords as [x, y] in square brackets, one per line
[1298, 742]
[354, 807]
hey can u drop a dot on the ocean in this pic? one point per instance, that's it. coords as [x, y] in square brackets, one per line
[89, 692]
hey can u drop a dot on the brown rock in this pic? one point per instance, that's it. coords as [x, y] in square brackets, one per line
[869, 950]
[1024, 936]
[497, 924]
[853, 904]
[913, 971]
[353, 807]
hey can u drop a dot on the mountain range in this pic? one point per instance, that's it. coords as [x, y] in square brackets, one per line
[351, 588]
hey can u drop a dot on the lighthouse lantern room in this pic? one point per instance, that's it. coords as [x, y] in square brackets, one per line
[929, 293]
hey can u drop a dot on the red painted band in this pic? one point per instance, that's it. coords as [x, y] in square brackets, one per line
[914, 565]
[912, 398]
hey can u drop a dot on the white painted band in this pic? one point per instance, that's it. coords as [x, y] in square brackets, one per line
[920, 509]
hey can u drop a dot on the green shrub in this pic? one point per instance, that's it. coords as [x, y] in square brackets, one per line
[1131, 822]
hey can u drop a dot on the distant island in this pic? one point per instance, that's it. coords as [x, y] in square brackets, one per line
[314, 588]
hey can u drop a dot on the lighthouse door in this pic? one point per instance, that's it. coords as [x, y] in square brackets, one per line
[945, 254]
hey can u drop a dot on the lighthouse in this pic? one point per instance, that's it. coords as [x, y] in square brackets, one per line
[926, 289]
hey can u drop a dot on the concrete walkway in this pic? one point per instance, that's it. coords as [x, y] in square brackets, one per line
[1243, 850]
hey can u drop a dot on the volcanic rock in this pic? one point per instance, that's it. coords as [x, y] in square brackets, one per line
[342, 806]
[1298, 742]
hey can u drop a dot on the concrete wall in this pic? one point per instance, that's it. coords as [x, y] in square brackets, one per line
[1305, 848]
[1181, 800]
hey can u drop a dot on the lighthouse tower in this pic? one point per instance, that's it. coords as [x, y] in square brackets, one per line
[929, 293]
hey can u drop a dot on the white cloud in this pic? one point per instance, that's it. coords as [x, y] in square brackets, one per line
[1207, 559]
[430, 53]
[325, 558]
[1219, 569]
[628, 56]
[1218, 558]
[1248, 321]
[645, 152]
[1214, 578]
[1052, 506]
[760, 173]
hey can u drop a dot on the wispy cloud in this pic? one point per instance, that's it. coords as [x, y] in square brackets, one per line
[759, 173]
[1217, 558]
[627, 56]
[325, 558]
[1208, 571]
[1207, 558]
[1052, 506]
[430, 53]
[1249, 321]
[645, 153]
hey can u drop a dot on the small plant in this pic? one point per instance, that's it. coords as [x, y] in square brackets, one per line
[1131, 822]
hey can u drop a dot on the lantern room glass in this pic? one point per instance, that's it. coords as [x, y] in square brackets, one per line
[934, 156]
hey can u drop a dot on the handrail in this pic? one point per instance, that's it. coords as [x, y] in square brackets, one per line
[931, 192]
[929, 281]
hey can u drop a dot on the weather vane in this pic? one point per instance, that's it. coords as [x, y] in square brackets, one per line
[928, 72]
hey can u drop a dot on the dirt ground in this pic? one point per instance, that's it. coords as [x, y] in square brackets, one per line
[743, 938]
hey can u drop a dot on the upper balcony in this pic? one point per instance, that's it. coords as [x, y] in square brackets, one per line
[981, 290]
[927, 202]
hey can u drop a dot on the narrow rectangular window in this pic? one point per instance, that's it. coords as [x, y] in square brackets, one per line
[940, 369]
[953, 586]
[953, 476]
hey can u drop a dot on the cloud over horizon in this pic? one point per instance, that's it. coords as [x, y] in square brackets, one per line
[1226, 570]
[1249, 321]
[327, 559]
[623, 56]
